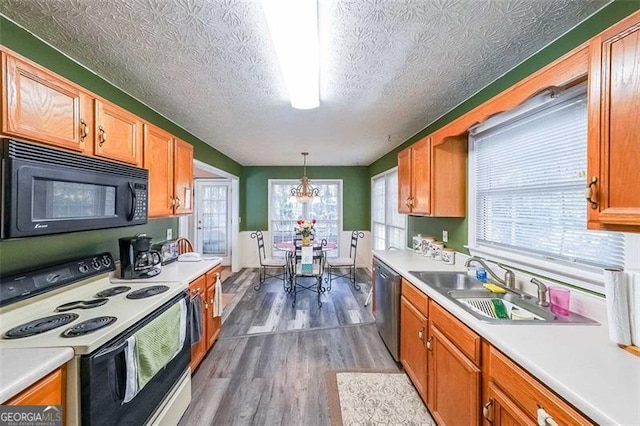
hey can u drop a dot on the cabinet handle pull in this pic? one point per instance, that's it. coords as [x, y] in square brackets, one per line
[102, 135]
[84, 129]
[544, 418]
[429, 340]
[588, 192]
[486, 411]
[177, 202]
[420, 333]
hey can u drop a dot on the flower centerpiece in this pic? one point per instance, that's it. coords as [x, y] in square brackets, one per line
[306, 229]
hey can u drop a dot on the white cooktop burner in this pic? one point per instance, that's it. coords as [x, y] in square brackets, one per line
[126, 312]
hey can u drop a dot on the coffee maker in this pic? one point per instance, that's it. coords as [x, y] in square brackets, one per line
[137, 260]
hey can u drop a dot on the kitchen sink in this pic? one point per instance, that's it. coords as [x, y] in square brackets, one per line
[469, 294]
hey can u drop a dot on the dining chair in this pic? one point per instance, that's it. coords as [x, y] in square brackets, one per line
[184, 245]
[335, 264]
[298, 273]
[269, 267]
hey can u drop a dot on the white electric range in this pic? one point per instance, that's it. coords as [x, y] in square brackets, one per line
[75, 305]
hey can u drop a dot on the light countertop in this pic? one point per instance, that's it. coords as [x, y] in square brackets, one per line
[183, 272]
[20, 368]
[578, 362]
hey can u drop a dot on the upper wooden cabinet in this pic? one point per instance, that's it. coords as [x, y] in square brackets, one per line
[414, 168]
[117, 133]
[432, 176]
[183, 176]
[170, 165]
[40, 106]
[614, 131]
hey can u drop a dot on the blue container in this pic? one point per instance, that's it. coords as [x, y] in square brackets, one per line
[481, 274]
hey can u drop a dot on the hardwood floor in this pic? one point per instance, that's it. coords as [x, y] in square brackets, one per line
[270, 364]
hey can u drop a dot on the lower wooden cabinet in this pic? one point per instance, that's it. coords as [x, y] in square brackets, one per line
[50, 390]
[516, 397]
[204, 286]
[213, 324]
[413, 350]
[454, 386]
[463, 379]
[199, 347]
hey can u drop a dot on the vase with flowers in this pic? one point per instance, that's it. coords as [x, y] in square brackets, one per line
[305, 228]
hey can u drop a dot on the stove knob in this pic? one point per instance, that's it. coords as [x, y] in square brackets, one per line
[95, 263]
[83, 268]
[106, 261]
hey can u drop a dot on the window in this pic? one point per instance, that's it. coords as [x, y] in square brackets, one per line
[387, 225]
[285, 211]
[528, 169]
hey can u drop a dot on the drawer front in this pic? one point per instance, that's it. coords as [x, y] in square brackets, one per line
[462, 336]
[528, 393]
[416, 297]
[47, 391]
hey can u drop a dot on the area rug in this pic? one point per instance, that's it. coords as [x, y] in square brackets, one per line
[375, 398]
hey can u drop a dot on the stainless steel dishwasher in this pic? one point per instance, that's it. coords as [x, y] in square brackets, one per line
[387, 306]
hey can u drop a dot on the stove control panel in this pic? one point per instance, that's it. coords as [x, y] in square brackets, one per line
[28, 284]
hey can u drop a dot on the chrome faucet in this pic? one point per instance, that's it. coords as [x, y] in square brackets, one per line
[542, 292]
[509, 280]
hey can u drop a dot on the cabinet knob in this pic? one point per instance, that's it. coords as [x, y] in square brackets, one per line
[102, 134]
[486, 411]
[84, 129]
[420, 333]
[178, 203]
[588, 192]
[429, 345]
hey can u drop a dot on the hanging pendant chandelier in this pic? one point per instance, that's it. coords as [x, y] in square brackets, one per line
[305, 192]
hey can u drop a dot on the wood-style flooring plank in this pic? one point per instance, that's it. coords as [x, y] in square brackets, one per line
[269, 367]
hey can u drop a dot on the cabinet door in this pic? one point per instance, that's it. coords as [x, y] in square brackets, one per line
[199, 348]
[413, 352]
[454, 383]
[500, 410]
[214, 324]
[404, 181]
[614, 134]
[421, 177]
[158, 159]
[183, 175]
[42, 107]
[118, 134]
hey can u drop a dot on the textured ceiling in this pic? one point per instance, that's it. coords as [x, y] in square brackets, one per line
[389, 68]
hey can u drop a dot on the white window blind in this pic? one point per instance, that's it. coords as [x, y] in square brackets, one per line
[530, 177]
[387, 225]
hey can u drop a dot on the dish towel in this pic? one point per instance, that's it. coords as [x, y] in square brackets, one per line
[217, 298]
[617, 297]
[634, 306]
[153, 346]
[196, 318]
[306, 260]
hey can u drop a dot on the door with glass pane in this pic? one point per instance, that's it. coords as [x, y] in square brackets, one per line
[213, 219]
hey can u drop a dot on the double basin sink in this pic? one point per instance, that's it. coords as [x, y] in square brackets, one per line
[499, 308]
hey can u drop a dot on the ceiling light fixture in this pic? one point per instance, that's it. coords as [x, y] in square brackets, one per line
[293, 25]
[305, 192]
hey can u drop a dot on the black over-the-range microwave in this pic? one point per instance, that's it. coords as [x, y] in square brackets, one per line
[49, 191]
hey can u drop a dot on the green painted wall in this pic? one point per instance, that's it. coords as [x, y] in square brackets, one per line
[24, 253]
[19, 254]
[355, 186]
[457, 228]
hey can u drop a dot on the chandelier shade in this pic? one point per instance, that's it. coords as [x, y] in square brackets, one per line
[305, 192]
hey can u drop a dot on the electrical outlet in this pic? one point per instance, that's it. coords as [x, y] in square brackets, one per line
[445, 236]
[169, 233]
